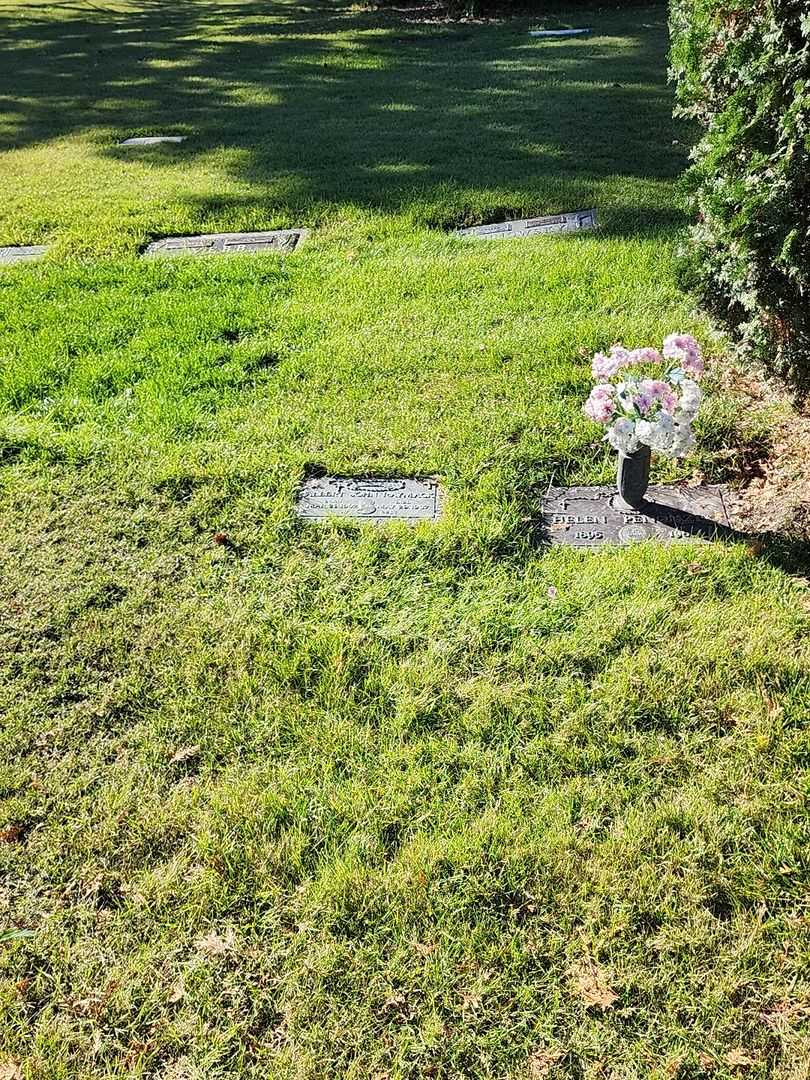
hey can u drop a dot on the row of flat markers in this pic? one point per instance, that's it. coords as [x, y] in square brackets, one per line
[288, 239]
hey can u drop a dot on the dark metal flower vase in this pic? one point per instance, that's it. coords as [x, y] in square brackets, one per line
[633, 476]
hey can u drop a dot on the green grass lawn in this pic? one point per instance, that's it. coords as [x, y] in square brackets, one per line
[336, 801]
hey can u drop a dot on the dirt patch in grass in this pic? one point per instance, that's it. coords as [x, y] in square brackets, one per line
[774, 464]
[779, 500]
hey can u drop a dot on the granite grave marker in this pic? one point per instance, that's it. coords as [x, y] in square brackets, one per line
[22, 254]
[369, 499]
[593, 517]
[578, 221]
[252, 243]
[559, 33]
[152, 140]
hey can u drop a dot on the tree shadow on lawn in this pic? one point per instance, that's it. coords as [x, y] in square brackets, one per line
[447, 122]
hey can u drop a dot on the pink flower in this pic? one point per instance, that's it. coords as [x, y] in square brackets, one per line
[652, 391]
[604, 367]
[693, 365]
[645, 356]
[685, 351]
[600, 405]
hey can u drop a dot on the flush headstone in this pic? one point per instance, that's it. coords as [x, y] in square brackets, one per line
[560, 33]
[152, 140]
[593, 517]
[22, 254]
[579, 221]
[253, 243]
[370, 499]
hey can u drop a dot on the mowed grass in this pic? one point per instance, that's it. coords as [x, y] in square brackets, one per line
[337, 801]
[348, 120]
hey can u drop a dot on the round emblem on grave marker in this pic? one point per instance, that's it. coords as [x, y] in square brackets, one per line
[631, 534]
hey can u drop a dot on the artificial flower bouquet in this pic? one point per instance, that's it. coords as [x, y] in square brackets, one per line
[648, 398]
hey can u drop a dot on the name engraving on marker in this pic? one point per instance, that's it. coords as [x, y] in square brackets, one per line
[579, 519]
[228, 243]
[22, 254]
[592, 517]
[375, 499]
[579, 221]
[545, 223]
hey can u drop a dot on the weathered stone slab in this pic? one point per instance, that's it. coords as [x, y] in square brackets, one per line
[369, 499]
[559, 33]
[21, 254]
[578, 221]
[152, 140]
[255, 243]
[592, 517]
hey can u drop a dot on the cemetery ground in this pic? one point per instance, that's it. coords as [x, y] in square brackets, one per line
[294, 800]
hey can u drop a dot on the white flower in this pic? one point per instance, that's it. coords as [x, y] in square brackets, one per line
[658, 434]
[691, 397]
[622, 436]
[681, 441]
[645, 430]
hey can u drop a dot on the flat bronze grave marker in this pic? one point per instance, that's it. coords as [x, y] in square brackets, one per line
[22, 254]
[579, 221]
[152, 140]
[369, 499]
[252, 243]
[559, 33]
[594, 517]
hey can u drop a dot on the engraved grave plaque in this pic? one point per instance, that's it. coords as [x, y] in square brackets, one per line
[492, 230]
[592, 517]
[152, 140]
[22, 254]
[228, 243]
[579, 221]
[369, 499]
[559, 33]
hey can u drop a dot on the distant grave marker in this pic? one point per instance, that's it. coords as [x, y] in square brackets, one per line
[559, 33]
[579, 221]
[254, 243]
[152, 140]
[21, 254]
[594, 517]
[369, 499]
